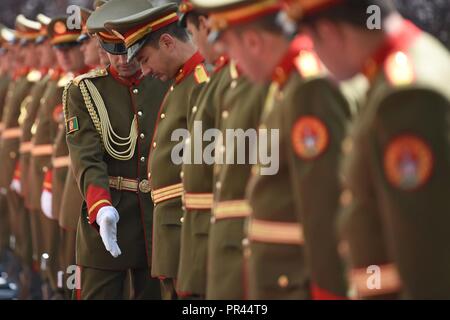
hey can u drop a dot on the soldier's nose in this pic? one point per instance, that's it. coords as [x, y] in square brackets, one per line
[146, 70]
[123, 59]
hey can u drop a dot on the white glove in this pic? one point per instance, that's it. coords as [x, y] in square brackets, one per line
[16, 186]
[46, 203]
[107, 218]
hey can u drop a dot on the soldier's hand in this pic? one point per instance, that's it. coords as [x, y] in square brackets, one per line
[107, 219]
[46, 203]
[16, 186]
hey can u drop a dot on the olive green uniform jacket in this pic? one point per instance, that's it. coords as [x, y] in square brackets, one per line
[197, 177]
[103, 177]
[240, 108]
[164, 173]
[396, 173]
[5, 81]
[293, 244]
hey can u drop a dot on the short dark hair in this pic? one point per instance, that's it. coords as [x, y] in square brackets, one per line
[353, 12]
[172, 29]
[268, 23]
[194, 18]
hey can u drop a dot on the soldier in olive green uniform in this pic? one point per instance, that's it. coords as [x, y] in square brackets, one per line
[29, 109]
[59, 173]
[5, 80]
[71, 200]
[396, 173]
[292, 251]
[109, 166]
[43, 129]
[44, 225]
[198, 178]
[10, 144]
[185, 66]
[240, 108]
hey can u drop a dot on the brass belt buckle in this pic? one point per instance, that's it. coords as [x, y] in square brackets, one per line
[144, 186]
[119, 183]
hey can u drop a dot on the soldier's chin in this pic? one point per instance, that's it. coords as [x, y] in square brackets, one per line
[126, 71]
[161, 77]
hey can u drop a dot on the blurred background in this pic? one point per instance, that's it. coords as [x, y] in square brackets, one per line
[432, 16]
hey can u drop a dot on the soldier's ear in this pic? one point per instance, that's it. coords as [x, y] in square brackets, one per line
[203, 24]
[252, 41]
[166, 41]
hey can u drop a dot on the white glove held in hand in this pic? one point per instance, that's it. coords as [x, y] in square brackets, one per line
[46, 203]
[16, 186]
[107, 218]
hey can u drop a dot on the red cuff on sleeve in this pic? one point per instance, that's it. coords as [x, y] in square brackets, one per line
[17, 172]
[322, 294]
[47, 185]
[96, 198]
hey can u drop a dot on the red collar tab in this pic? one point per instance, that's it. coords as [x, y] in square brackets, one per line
[44, 71]
[400, 40]
[55, 73]
[21, 72]
[189, 67]
[221, 62]
[84, 70]
[134, 80]
[287, 64]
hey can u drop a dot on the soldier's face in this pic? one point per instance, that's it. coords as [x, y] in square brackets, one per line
[70, 59]
[15, 56]
[247, 49]
[90, 52]
[104, 59]
[156, 62]
[335, 48]
[199, 36]
[124, 68]
[31, 57]
[46, 54]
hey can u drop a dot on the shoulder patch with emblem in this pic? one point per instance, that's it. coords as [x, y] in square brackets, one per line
[72, 125]
[310, 137]
[308, 64]
[200, 74]
[96, 73]
[408, 162]
[399, 69]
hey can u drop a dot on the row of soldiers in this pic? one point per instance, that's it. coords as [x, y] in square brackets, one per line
[40, 201]
[356, 209]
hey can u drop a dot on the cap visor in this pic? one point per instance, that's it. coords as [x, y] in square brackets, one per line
[114, 48]
[182, 20]
[135, 48]
[83, 37]
[41, 39]
[66, 45]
